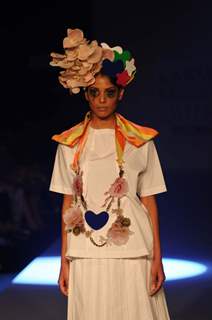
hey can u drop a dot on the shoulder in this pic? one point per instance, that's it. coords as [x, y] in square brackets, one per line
[65, 151]
[150, 147]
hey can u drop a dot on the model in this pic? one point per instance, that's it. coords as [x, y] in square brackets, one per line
[108, 170]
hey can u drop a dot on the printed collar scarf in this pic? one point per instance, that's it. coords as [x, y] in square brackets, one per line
[125, 130]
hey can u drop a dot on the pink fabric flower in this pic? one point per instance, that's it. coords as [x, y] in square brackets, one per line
[73, 217]
[77, 184]
[118, 234]
[119, 188]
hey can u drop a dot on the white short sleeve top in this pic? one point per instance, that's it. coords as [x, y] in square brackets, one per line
[100, 169]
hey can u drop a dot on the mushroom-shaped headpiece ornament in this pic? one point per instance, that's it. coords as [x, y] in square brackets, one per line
[83, 59]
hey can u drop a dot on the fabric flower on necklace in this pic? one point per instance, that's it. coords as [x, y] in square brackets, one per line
[78, 184]
[118, 234]
[73, 218]
[119, 188]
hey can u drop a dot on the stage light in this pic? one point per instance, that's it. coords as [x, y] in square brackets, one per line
[176, 269]
[40, 271]
[45, 270]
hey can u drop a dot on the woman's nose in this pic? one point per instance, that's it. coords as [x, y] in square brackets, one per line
[102, 97]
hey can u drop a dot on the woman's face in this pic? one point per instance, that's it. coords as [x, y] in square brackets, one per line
[103, 97]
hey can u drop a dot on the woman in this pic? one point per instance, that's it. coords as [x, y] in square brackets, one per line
[108, 169]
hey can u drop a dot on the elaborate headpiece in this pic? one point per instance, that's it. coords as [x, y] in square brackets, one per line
[83, 59]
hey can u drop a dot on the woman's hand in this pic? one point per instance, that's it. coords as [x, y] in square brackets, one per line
[157, 276]
[64, 277]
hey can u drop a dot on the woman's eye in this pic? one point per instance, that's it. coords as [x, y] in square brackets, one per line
[93, 92]
[111, 93]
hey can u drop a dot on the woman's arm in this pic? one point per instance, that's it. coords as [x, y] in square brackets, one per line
[157, 271]
[64, 269]
[67, 201]
[151, 205]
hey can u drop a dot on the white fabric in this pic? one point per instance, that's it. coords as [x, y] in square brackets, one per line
[100, 169]
[113, 289]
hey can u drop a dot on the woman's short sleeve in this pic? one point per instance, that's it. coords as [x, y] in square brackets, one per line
[62, 175]
[151, 180]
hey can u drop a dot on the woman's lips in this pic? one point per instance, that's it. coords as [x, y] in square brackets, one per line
[102, 109]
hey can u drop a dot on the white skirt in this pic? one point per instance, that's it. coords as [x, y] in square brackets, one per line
[113, 289]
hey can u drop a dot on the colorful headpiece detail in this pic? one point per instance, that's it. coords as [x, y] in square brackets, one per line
[82, 60]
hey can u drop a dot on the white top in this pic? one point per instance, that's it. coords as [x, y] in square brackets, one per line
[100, 169]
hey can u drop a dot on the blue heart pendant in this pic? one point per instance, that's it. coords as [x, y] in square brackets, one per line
[96, 221]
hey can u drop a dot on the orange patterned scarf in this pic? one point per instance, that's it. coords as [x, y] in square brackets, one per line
[125, 130]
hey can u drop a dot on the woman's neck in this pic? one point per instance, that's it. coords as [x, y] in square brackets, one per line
[98, 123]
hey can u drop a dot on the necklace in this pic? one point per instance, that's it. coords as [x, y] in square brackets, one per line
[119, 231]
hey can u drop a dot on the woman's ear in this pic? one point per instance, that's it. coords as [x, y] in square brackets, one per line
[121, 93]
